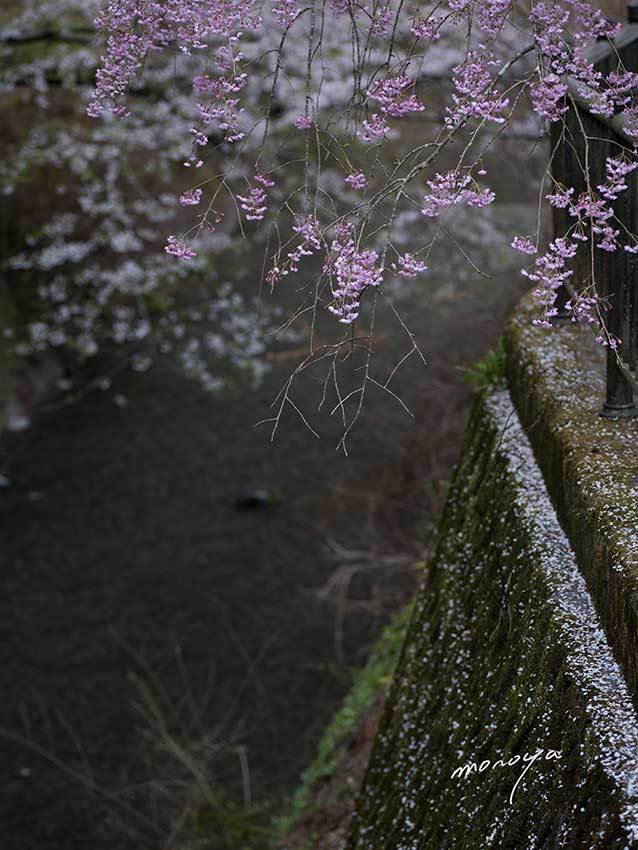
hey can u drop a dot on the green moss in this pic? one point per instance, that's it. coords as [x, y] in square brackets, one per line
[369, 683]
[557, 381]
[488, 672]
[490, 370]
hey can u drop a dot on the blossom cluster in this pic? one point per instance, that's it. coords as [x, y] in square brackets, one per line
[550, 271]
[409, 266]
[222, 86]
[133, 30]
[593, 220]
[309, 230]
[357, 180]
[351, 271]
[255, 203]
[393, 101]
[94, 256]
[450, 188]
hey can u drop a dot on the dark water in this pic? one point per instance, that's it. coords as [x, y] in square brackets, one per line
[124, 551]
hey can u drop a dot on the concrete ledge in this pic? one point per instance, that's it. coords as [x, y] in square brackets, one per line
[504, 658]
[590, 466]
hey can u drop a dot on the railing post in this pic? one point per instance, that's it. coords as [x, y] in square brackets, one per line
[581, 164]
[613, 270]
[560, 217]
[568, 170]
[630, 62]
[580, 149]
[619, 400]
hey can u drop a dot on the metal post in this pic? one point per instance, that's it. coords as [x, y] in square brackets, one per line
[612, 272]
[560, 217]
[610, 267]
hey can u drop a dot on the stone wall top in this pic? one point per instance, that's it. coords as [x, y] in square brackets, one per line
[590, 465]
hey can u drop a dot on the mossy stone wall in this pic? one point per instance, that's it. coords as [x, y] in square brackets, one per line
[589, 463]
[504, 657]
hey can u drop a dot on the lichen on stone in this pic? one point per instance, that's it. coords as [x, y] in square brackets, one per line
[590, 464]
[504, 656]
